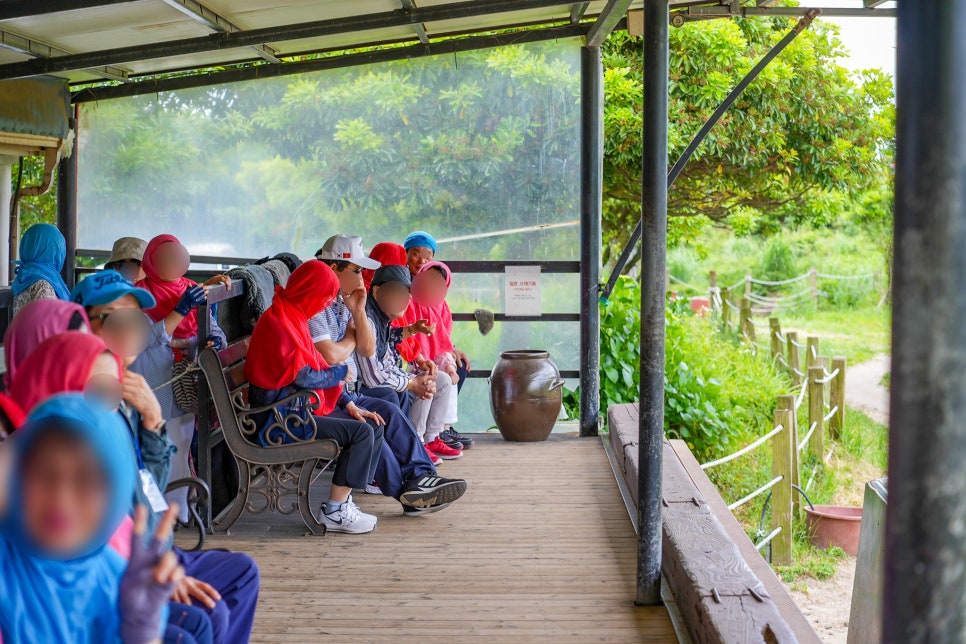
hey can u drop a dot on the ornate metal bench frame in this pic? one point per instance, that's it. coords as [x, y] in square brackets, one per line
[267, 476]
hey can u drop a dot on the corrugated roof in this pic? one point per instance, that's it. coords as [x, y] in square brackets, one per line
[130, 40]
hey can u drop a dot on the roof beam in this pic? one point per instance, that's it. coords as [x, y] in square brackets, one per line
[872, 4]
[577, 12]
[419, 28]
[714, 12]
[11, 9]
[247, 38]
[606, 21]
[204, 79]
[219, 24]
[37, 49]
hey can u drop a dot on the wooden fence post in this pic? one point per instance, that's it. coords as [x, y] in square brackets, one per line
[747, 328]
[775, 330]
[816, 411]
[836, 424]
[794, 363]
[787, 402]
[726, 308]
[811, 352]
[781, 497]
[825, 363]
[813, 284]
[713, 291]
[748, 285]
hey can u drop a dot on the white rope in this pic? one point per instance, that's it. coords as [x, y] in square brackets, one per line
[798, 372]
[781, 282]
[811, 430]
[736, 284]
[764, 488]
[801, 394]
[830, 452]
[780, 336]
[814, 351]
[744, 450]
[764, 542]
[832, 413]
[829, 377]
[683, 283]
[826, 276]
[765, 299]
[797, 345]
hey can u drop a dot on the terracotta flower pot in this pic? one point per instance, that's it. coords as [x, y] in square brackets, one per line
[833, 525]
[525, 395]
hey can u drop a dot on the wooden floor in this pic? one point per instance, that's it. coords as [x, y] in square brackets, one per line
[540, 549]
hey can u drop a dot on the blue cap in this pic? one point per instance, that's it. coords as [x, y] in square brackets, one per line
[105, 287]
[420, 238]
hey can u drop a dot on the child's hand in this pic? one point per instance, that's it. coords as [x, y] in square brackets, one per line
[152, 574]
[219, 279]
[191, 299]
[427, 366]
[422, 326]
[451, 370]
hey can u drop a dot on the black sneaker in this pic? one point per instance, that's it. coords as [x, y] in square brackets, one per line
[454, 439]
[431, 490]
[410, 511]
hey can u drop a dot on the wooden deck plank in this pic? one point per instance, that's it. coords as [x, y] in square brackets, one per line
[539, 550]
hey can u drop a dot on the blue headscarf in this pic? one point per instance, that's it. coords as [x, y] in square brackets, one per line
[45, 597]
[422, 239]
[43, 251]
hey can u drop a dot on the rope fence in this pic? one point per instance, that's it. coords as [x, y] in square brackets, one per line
[818, 394]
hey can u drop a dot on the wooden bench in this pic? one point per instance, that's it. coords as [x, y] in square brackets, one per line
[268, 476]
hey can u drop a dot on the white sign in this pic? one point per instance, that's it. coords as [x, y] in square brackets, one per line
[522, 290]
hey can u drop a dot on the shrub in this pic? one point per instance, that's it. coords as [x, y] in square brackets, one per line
[717, 392]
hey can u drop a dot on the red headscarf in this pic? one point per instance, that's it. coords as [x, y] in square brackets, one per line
[387, 254]
[167, 294]
[35, 323]
[60, 364]
[430, 346]
[281, 345]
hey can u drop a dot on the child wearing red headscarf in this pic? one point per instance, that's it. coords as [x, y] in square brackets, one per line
[387, 254]
[429, 289]
[282, 359]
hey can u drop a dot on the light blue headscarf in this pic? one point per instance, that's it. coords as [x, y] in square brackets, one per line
[420, 238]
[43, 251]
[45, 597]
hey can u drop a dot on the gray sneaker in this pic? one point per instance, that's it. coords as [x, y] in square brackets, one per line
[350, 519]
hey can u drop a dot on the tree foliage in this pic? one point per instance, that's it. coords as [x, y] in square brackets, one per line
[798, 145]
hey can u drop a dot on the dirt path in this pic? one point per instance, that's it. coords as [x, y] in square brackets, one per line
[827, 603]
[864, 390]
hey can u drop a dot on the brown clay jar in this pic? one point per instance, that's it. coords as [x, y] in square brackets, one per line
[525, 395]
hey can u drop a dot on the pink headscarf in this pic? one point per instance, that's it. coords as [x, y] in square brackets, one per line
[167, 294]
[35, 323]
[430, 346]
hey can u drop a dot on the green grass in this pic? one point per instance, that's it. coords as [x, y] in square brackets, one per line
[886, 380]
[858, 334]
[811, 562]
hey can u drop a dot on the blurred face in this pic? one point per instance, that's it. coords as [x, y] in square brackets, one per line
[417, 256]
[350, 278]
[393, 298]
[429, 288]
[104, 382]
[171, 260]
[65, 493]
[122, 325]
[130, 269]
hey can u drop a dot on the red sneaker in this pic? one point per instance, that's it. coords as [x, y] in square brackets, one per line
[435, 459]
[442, 450]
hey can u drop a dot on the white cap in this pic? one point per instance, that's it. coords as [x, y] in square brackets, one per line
[346, 248]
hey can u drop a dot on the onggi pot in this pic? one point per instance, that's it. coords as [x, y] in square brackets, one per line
[525, 395]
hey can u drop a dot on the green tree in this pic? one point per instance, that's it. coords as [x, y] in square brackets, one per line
[796, 146]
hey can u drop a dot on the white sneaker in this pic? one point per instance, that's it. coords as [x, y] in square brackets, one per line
[348, 518]
[372, 488]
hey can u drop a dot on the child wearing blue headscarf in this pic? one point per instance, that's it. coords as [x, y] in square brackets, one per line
[67, 489]
[43, 251]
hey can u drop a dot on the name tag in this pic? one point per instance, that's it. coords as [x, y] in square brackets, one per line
[151, 490]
